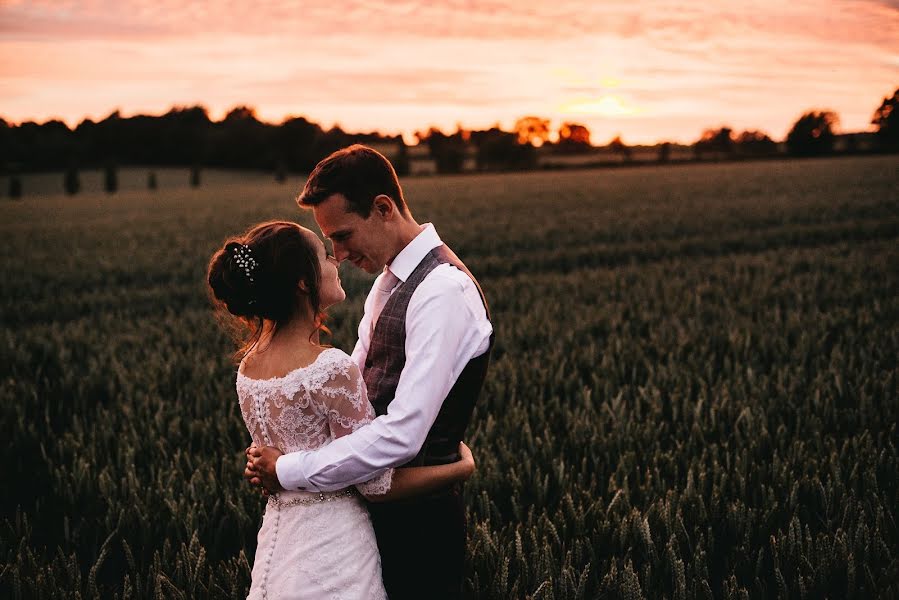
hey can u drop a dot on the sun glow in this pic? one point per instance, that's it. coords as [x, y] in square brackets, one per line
[607, 105]
[657, 74]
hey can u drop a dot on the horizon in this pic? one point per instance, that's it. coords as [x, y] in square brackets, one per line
[406, 138]
[648, 71]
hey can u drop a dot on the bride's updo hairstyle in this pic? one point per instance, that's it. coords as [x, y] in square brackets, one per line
[255, 277]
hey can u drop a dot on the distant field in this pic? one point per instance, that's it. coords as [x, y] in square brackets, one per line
[693, 392]
[134, 179]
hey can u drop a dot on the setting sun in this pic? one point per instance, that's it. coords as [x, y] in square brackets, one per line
[605, 106]
[665, 74]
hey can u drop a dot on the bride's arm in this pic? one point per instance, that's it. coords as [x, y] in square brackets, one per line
[416, 481]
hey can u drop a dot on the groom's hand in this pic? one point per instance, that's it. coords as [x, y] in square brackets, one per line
[260, 469]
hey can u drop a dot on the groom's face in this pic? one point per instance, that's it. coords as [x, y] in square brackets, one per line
[354, 238]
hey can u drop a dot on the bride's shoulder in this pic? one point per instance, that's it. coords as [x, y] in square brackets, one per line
[328, 365]
[335, 356]
[334, 362]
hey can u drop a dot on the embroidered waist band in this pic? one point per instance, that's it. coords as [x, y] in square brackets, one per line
[285, 499]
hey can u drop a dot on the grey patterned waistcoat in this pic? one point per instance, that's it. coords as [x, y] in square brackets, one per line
[387, 357]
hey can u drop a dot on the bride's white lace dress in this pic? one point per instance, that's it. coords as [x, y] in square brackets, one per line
[313, 545]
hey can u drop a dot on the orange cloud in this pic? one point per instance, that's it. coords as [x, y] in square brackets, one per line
[668, 69]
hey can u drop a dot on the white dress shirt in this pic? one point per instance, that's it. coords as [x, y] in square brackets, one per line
[446, 326]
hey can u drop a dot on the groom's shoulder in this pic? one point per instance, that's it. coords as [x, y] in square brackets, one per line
[450, 286]
[448, 278]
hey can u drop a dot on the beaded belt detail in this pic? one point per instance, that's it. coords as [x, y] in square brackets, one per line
[277, 502]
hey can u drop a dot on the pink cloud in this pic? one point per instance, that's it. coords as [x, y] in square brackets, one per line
[405, 65]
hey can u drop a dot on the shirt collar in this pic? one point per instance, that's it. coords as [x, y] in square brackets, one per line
[409, 257]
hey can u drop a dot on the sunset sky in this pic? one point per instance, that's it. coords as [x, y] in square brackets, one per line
[646, 69]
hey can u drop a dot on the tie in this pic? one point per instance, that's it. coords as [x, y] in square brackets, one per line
[382, 293]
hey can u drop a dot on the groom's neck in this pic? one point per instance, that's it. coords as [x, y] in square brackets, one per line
[407, 230]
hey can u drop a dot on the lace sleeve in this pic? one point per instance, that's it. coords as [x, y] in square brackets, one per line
[348, 409]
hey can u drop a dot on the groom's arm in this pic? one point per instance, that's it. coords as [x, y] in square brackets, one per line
[446, 326]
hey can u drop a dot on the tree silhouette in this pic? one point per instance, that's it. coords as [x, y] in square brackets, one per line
[181, 137]
[241, 114]
[6, 139]
[498, 149]
[110, 138]
[401, 159]
[573, 138]
[185, 136]
[618, 146]
[664, 152]
[755, 143]
[240, 136]
[71, 181]
[295, 142]
[110, 178]
[717, 142]
[448, 151]
[886, 119]
[812, 134]
[195, 176]
[532, 130]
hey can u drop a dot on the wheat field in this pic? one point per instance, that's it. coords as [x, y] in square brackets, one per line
[693, 392]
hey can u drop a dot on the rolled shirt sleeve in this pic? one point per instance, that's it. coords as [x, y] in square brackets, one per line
[446, 326]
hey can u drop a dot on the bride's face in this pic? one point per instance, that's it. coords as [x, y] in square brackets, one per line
[330, 290]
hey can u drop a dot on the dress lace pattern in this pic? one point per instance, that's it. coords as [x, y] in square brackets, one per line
[304, 548]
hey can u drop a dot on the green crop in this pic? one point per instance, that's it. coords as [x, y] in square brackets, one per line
[693, 392]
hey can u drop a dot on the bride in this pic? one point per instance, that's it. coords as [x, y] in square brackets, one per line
[296, 394]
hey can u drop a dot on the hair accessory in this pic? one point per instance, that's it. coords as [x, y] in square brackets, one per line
[244, 259]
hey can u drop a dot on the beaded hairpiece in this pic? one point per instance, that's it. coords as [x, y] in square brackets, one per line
[244, 259]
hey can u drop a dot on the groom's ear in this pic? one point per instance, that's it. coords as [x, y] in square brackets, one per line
[383, 206]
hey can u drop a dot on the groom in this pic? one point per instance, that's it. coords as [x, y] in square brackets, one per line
[423, 349]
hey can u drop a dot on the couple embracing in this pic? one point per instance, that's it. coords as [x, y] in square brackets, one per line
[360, 456]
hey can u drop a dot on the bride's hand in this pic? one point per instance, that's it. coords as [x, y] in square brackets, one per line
[260, 469]
[466, 460]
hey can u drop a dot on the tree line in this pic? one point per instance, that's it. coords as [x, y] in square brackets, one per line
[187, 137]
[812, 134]
[184, 136]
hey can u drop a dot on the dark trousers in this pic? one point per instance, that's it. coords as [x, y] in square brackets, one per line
[422, 545]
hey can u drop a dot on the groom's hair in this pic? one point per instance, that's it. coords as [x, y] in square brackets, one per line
[359, 174]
